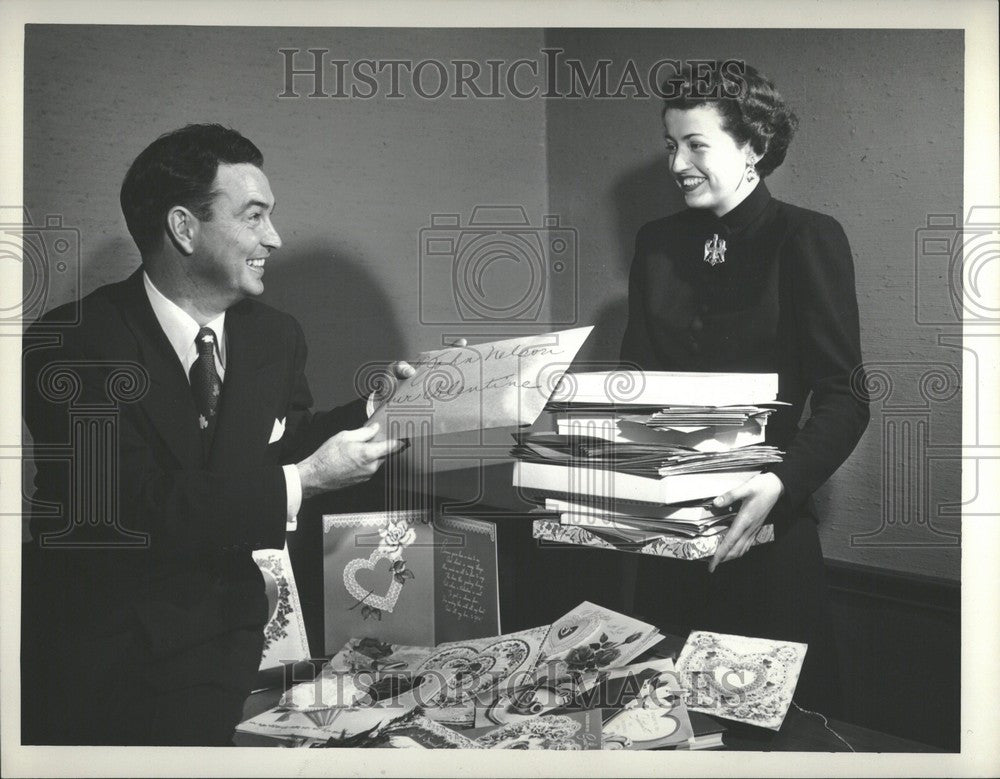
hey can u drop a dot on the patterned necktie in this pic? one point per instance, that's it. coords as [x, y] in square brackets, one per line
[205, 382]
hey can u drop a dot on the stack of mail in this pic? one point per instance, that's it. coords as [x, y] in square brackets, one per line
[639, 457]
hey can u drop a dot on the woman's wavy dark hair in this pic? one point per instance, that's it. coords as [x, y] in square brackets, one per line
[752, 109]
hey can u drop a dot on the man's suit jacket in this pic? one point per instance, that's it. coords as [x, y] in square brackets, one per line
[192, 584]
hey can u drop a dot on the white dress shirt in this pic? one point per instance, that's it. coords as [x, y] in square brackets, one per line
[181, 330]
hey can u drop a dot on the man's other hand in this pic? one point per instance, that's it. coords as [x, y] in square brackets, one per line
[344, 460]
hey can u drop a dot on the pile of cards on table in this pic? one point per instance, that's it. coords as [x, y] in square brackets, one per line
[575, 684]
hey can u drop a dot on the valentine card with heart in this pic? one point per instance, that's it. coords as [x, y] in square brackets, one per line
[740, 678]
[408, 577]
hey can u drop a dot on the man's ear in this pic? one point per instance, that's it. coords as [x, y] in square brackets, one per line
[182, 227]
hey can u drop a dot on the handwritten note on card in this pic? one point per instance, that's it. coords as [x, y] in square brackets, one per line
[451, 592]
[463, 579]
[466, 594]
[498, 384]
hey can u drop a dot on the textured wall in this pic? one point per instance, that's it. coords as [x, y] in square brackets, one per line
[879, 147]
[355, 179]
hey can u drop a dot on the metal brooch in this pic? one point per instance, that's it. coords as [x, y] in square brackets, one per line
[715, 250]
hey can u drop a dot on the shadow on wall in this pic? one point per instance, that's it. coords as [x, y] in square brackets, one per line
[347, 318]
[348, 322]
[640, 194]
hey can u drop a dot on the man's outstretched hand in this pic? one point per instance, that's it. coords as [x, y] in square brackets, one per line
[344, 460]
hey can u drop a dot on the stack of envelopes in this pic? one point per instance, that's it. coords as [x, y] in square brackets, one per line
[637, 475]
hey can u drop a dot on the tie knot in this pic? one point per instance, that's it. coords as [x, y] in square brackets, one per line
[205, 341]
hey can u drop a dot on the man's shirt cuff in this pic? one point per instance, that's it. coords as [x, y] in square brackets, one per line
[293, 491]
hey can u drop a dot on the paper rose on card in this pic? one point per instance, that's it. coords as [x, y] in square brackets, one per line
[395, 536]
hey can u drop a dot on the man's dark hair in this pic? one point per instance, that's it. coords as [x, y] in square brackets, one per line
[178, 169]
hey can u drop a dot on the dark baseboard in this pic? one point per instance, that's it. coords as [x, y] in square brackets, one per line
[899, 637]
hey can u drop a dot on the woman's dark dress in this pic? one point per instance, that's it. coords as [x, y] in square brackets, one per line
[784, 302]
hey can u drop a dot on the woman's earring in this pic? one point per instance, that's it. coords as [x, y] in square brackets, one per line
[751, 172]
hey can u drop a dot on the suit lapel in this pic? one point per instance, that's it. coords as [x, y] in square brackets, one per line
[169, 403]
[248, 391]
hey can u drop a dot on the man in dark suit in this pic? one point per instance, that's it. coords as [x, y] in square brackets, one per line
[186, 406]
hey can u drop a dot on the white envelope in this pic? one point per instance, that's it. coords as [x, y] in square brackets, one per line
[479, 387]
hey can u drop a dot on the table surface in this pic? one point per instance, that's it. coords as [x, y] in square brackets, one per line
[801, 732]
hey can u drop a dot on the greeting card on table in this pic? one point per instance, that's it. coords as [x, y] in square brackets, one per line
[576, 653]
[414, 731]
[469, 668]
[571, 731]
[408, 731]
[739, 678]
[591, 637]
[645, 707]
[317, 725]
[285, 632]
[403, 579]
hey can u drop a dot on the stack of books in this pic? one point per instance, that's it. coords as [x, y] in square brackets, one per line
[638, 470]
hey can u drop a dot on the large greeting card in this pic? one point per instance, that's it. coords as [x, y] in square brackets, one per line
[409, 577]
[285, 632]
[740, 678]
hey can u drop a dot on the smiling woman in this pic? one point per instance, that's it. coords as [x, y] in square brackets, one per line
[710, 167]
[741, 282]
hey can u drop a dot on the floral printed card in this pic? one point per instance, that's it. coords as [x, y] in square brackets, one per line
[678, 547]
[591, 637]
[745, 679]
[403, 579]
[572, 731]
[578, 648]
[467, 668]
[285, 632]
